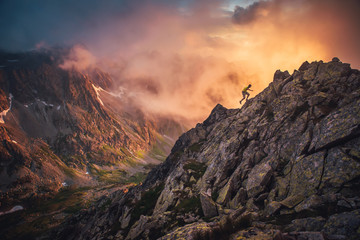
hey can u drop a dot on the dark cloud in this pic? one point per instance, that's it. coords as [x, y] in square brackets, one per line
[248, 14]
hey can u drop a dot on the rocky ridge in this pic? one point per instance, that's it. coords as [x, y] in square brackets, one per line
[284, 166]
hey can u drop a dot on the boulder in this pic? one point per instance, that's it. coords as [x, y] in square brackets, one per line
[339, 161]
[311, 203]
[337, 127]
[346, 224]
[240, 198]
[317, 99]
[272, 208]
[292, 200]
[125, 218]
[306, 174]
[259, 177]
[208, 206]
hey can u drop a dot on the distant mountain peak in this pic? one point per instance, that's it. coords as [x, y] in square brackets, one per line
[57, 123]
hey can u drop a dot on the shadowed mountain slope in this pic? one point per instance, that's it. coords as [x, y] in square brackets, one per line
[62, 127]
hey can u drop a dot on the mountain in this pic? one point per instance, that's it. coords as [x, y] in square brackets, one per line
[284, 166]
[62, 127]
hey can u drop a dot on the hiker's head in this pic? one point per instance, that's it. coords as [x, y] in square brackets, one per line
[249, 85]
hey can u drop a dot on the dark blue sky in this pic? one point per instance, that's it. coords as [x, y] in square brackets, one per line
[25, 23]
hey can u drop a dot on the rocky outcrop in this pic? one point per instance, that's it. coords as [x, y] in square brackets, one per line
[284, 166]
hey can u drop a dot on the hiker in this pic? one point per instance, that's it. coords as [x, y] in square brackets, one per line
[245, 93]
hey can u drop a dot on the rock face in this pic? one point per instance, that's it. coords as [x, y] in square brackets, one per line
[56, 124]
[284, 166]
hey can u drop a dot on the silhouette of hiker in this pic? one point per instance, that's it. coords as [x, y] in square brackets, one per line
[245, 93]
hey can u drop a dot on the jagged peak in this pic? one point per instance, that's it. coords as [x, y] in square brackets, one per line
[279, 75]
[215, 114]
[304, 66]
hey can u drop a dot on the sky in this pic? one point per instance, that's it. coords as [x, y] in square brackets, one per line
[182, 57]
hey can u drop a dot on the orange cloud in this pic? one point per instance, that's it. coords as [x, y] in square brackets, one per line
[79, 58]
[183, 63]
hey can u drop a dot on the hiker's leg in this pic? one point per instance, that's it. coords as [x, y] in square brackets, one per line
[242, 99]
[244, 96]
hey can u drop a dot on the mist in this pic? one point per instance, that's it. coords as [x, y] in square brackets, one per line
[181, 58]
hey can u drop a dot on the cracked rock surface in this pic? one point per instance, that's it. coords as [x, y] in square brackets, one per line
[284, 166]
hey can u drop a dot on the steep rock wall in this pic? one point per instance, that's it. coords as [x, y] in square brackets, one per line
[287, 161]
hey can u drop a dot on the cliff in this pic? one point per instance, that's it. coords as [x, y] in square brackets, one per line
[284, 166]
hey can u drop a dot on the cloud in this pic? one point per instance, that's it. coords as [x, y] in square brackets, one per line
[181, 58]
[243, 15]
[79, 58]
[331, 24]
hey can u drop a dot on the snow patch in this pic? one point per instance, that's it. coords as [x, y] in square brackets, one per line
[14, 209]
[14, 141]
[3, 113]
[97, 90]
[119, 94]
[64, 184]
[45, 103]
[58, 107]
[2, 66]
[87, 173]
[13, 60]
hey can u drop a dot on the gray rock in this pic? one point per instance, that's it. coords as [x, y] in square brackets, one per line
[307, 224]
[240, 198]
[305, 235]
[346, 224]
[306, 174]
[272, 208]
[337, 127]
[311, 203]
[125, 218]
[259, 177]
[338, 161]
[345, 204]
[208, 206]
[192, 231]
[319, 98]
